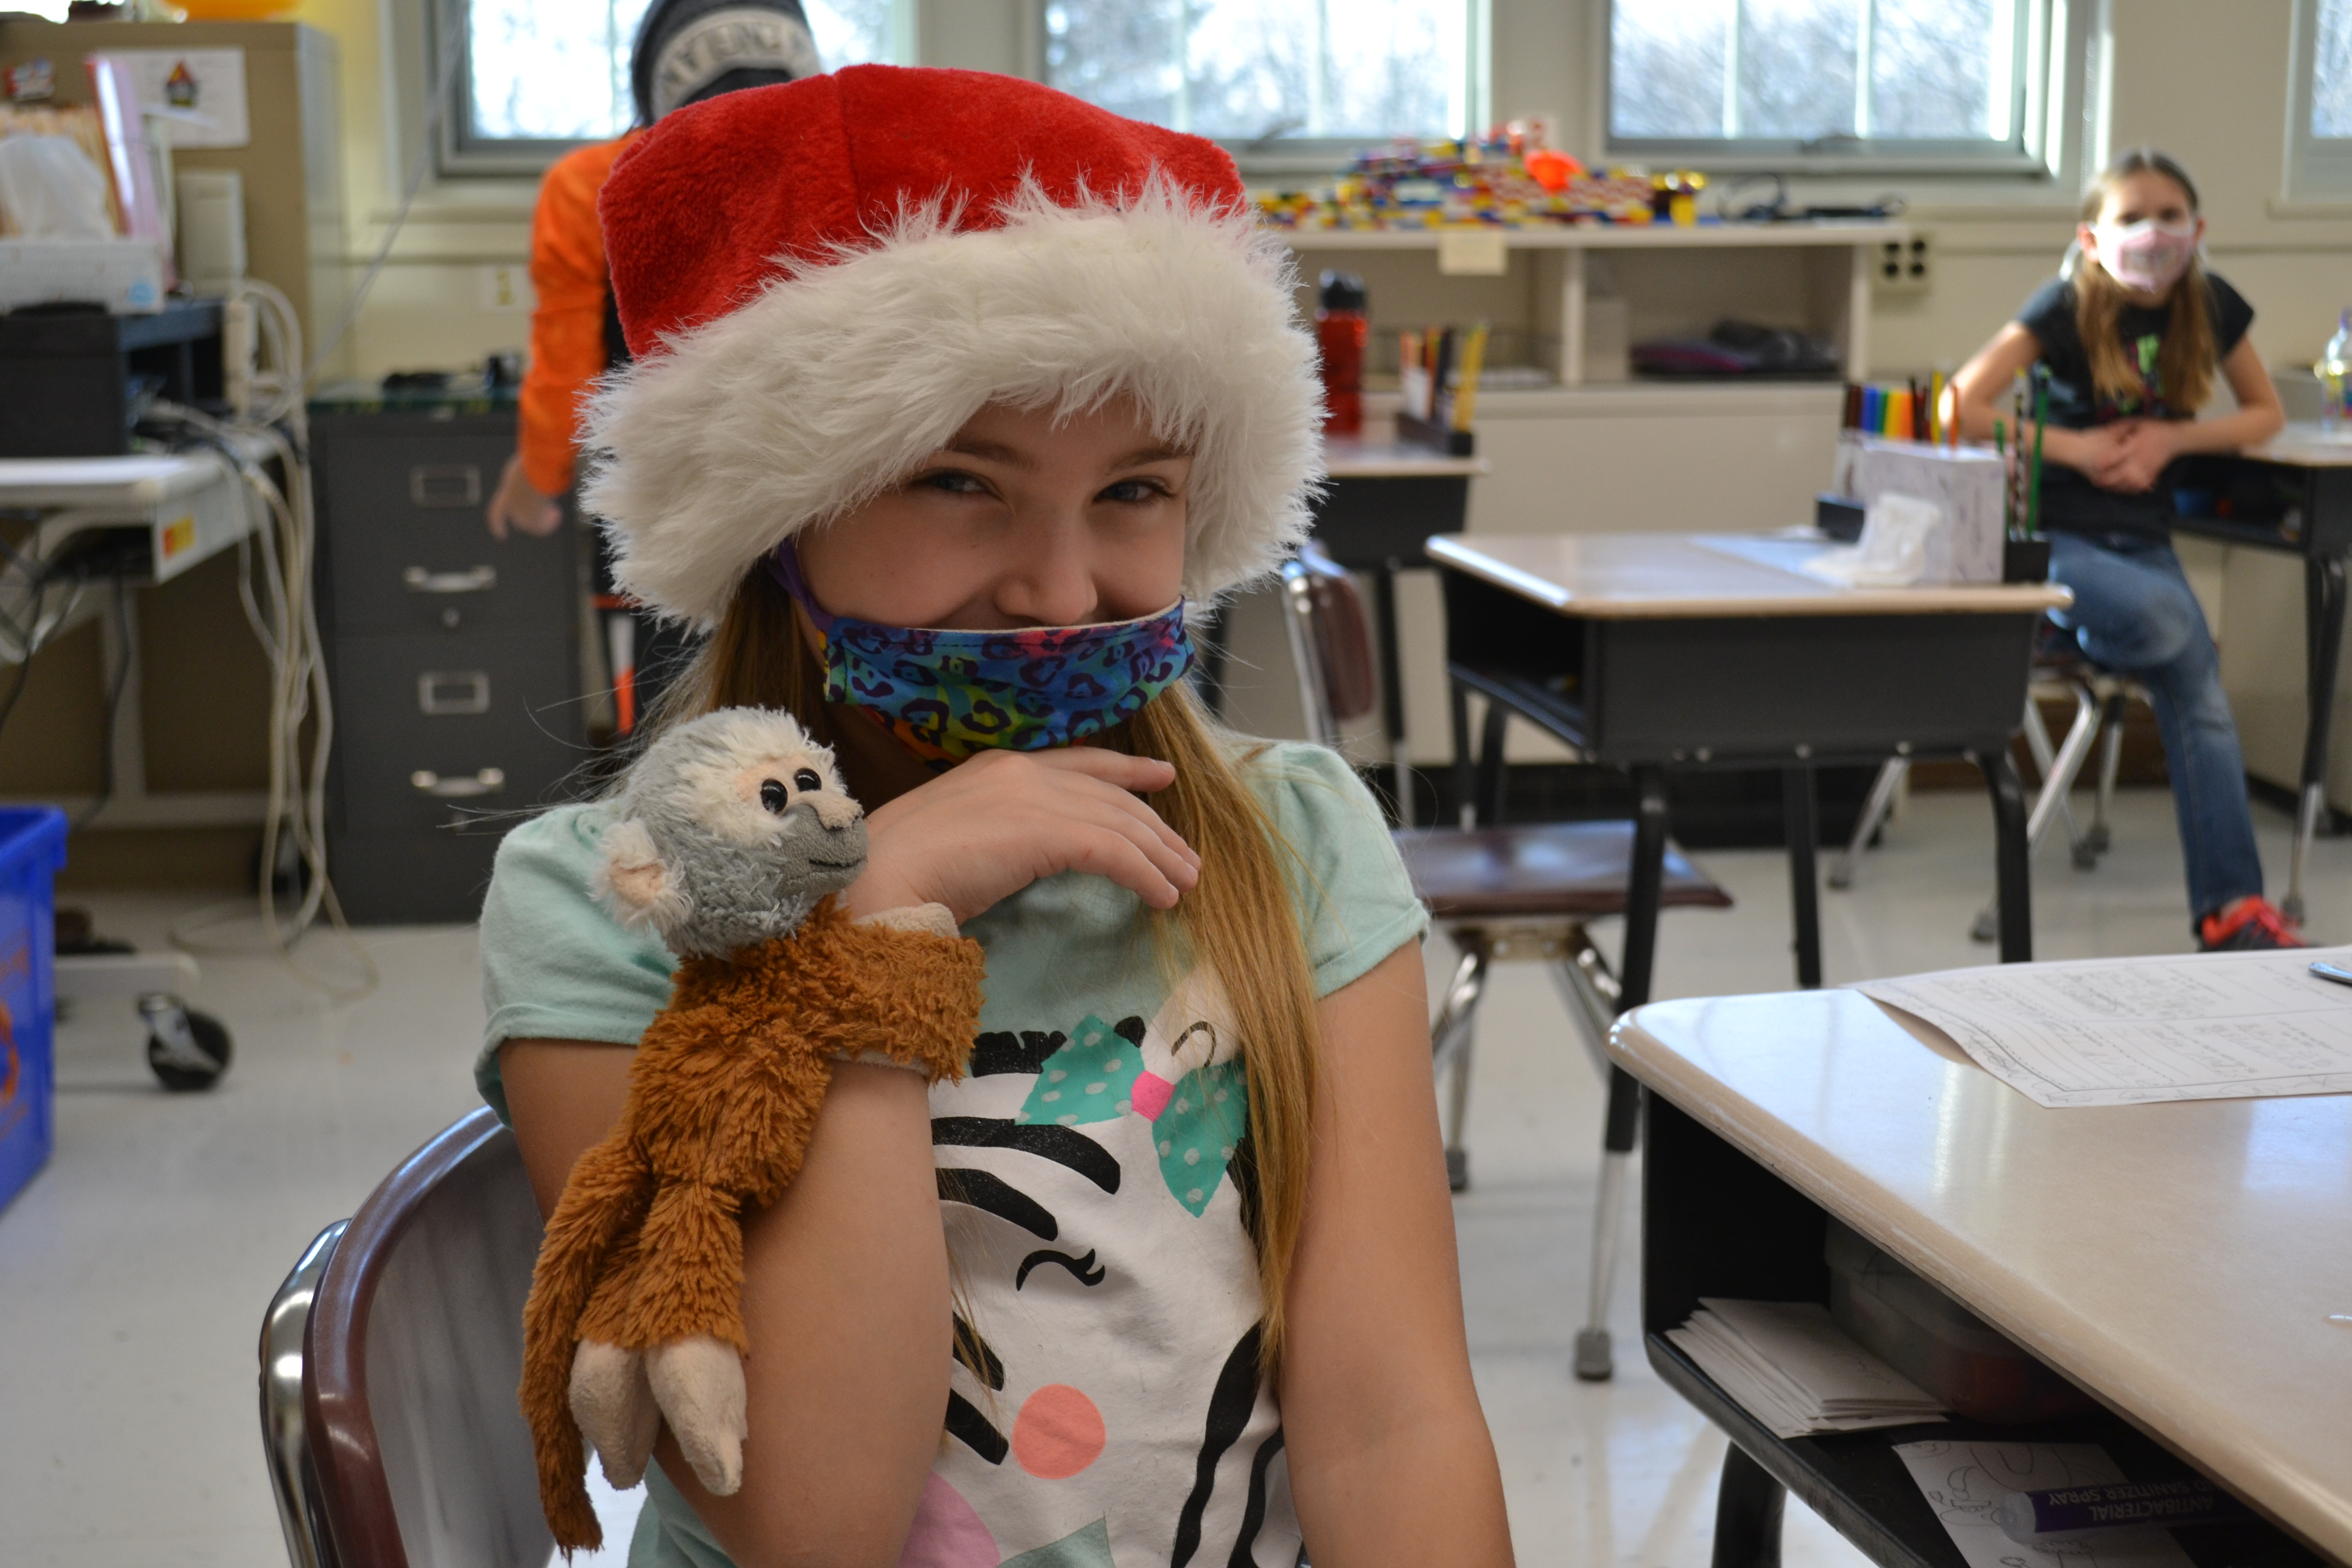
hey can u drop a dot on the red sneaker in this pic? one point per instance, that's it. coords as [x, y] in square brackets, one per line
[2250, 924]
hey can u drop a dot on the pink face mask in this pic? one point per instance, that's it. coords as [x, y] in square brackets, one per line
[2147, 256]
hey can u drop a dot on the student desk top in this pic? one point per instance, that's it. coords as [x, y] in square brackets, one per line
[2300, 504]
[1652, 651]
[2182, 1263]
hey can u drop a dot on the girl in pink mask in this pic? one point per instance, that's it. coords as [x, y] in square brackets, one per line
[2133, 339]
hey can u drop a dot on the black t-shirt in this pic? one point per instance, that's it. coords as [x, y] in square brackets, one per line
[2070, 502]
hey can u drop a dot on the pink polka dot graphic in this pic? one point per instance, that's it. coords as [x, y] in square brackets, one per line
[1058, 1432]
[948, 1532]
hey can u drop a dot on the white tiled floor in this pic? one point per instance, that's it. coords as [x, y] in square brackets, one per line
[134, 1271]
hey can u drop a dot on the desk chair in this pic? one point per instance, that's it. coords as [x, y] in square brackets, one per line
[1500, 894]
[389, 1363]
[2100, 697]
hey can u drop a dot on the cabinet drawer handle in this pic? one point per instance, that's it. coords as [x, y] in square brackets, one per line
[443, 692]
[489, 781]
[445, 485]
[474, 580]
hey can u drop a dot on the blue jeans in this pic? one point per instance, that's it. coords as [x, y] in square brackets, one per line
[2134, 614]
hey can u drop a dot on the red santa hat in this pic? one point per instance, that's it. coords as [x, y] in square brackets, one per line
[823, 281]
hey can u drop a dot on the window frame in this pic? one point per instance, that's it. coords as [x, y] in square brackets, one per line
[2317, 167]
[2047, 46]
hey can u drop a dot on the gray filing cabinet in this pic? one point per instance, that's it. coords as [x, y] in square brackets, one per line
[452, 656]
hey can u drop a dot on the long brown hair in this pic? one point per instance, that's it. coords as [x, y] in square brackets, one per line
[2185, 364]
[1240, 920]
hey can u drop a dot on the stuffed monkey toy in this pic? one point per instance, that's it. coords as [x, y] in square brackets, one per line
[730, 837]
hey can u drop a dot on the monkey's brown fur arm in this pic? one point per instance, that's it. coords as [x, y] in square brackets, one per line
[647, 1247]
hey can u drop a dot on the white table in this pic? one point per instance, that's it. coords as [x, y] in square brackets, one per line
[2185, 1264]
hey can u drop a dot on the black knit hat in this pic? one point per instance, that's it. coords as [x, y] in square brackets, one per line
[688, 50]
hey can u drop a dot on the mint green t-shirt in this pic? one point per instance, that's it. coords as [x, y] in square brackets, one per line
[1093, 1177]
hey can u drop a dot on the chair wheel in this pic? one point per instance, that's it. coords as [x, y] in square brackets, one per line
[2087, 856]
[1457, 1170]
[186, 1050]
[1594, 1364]
[1987, 927]
[2096, 840]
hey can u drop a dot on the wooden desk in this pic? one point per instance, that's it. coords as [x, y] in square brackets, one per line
[2306, 511]
[1655, 651]
[2180, 1263]
[1383, 499]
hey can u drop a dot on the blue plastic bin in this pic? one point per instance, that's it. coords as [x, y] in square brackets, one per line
[32, 848]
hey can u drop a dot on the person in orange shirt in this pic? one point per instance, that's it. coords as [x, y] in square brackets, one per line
[684, 51]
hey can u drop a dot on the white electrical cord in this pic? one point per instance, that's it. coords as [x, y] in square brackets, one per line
[283, 612]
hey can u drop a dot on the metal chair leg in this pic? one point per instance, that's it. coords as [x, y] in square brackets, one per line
[2111, 758]
[1891, 773]
[1450, 1042]
[2058, 775]
[1594, 1361]
[2037, 739]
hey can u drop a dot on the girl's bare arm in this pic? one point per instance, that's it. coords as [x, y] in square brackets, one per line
[844, 1299]
[1983, 388]
[1390, 1458]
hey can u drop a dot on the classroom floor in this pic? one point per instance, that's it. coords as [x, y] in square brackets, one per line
[133, 1272]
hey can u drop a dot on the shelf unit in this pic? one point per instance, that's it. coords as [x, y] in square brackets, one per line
[1837, 287]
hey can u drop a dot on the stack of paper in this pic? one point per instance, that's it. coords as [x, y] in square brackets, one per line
[1795, 1370]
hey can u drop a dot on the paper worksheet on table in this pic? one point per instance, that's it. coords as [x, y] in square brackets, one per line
[2123, 1031]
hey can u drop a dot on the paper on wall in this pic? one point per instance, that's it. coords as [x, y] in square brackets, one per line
[2124, 1031]
[200, 92]
[1964, 1482]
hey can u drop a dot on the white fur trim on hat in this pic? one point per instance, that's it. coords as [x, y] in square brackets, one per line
[836, 380]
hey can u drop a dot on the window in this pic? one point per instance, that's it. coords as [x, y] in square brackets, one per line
[532, 78]
[2319, 125]
[1274, 76]
[1849, 80]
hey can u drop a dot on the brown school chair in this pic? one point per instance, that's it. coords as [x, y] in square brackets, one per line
[390, 1359]
[1500, 893]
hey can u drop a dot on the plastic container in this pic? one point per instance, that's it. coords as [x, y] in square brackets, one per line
[2334, 364]
[32, 848]
[1935, 1342]
[1342, 331]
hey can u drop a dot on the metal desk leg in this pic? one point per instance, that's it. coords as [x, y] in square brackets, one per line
[1466, 796]
[1594, 1360]
[2011, 856]
[1798, 820]
[2322, 594]
[1748, 1507]
[1392, 686]
[1494, 778]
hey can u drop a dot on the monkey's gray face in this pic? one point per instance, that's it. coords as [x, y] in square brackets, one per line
[736, 826]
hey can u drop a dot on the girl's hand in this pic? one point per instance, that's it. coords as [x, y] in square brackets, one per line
[2091, 452]
[519, 506]
[983, 831]
[2147, 445]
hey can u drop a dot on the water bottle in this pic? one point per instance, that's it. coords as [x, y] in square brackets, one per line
[2334, 364]
[1341, 331]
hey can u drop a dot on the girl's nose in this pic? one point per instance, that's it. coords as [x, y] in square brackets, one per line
[1051, 579]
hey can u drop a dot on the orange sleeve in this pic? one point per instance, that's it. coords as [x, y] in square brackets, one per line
[567, 328]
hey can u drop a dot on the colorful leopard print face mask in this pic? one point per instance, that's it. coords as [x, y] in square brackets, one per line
[949, 694]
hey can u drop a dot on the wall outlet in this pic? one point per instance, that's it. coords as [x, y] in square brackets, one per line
[1904, 266]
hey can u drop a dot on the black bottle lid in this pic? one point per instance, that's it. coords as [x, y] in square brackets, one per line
[1344, 291]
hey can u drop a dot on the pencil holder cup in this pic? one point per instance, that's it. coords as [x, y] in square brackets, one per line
[2025, 560]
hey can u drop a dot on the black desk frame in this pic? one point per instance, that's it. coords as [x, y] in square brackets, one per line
[2316, 526]
[1715, 1222]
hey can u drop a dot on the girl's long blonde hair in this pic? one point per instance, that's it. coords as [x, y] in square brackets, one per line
[2185, 364]
[1241, 919]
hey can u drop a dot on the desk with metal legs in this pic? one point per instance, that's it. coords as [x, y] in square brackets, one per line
[2311, 516]
[2165, 1258]
[1659, 652]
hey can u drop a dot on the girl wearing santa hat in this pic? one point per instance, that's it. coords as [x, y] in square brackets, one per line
[951, 396]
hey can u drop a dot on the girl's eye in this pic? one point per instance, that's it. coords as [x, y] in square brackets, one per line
[806, 780]
[954, 482]
[1128, 492]
[774, 795]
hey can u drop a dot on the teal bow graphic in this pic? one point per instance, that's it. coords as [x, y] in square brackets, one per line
[1091, 1079]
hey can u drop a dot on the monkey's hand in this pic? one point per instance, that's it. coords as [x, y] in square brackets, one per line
[698, 1383]
[613, 1401]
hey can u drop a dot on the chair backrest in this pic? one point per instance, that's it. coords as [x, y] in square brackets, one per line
[412, 1359]
[1331, 643]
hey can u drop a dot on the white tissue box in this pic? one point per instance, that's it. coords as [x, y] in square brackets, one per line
[1963, 482]
[126, 275]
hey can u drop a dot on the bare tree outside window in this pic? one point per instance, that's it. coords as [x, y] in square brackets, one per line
[1811, 71]
[542, 72]
[1263, 70]
[2331, 76]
